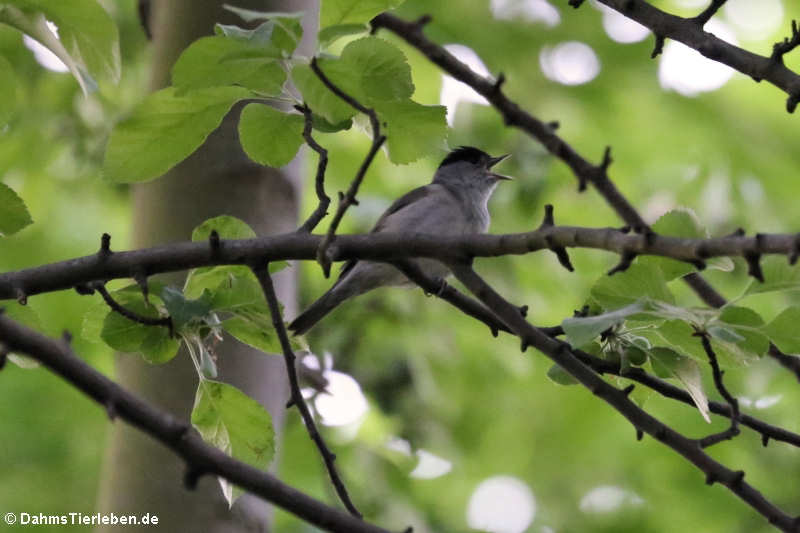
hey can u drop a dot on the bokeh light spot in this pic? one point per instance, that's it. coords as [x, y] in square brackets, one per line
[569, 63]
[501, 504]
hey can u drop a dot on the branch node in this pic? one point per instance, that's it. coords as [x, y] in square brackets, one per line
[191, 477]
[628, 390]
[737, 477]
[548, 220]
[553, 125]
[421, 22]
[701, 19]
[213, 243]
[792, 101]
[788, 44]
[795, 253]
[658, 47]
[576, 3]
[606, 162]
[66, 337]
[764, 440]
[498, 84]
[523, 310]
[84, 289]
[111, 409]
[625, 229]
[105, 246]
[639, 434]
[524, 345]
[754, 265]
[738, 232]
[140, 278]
[19, 294]
[711, 478]
[624, 262]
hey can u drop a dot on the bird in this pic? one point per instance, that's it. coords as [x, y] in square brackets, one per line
[454, 203]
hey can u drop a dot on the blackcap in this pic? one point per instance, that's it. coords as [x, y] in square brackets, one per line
[455, 203]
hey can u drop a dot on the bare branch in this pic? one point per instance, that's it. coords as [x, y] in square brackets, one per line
[81, 271]
[563, 355]
[319, 182]
[262, 273]
[349, 198]
[175, 434]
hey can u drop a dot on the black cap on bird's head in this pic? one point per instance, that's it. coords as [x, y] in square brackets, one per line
[473, 155]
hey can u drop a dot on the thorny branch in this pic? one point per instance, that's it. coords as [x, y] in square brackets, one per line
[262, 273]
[78, 272]
[562, 354]
[733, 430]
[177, 435]
[689, 31]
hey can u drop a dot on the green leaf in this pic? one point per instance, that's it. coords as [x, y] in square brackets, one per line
[164, 130]
[183, 310]
[235, 423]
[334, 12]
[370, 70]
[320, 124]
[560, 376]
[8, 91]
[87, 41]
[227, 227]
[637, 282]
[680, 222]
[254, 330]
[779, 275]
[413, 130]
[219, 61]
[784, 330]
[380, 70]
[270, 137]
[582, 330]
[152, 342]
[327, 36]
[13, 214]
[668, 364]
[318, 97]
[288, 28]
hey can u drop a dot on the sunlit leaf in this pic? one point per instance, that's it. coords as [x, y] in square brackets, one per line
[582, 330]
[334, 12]
[165, 129]
[668, 364]
[235, 423]
[637, 282]
[270, 137]
[413, 130]
[13, 213]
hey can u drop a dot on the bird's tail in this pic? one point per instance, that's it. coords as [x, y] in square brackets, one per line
[308, 318]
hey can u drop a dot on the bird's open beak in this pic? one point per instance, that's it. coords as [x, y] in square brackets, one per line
[493, 161]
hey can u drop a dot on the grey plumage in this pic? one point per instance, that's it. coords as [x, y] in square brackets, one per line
[455, 203]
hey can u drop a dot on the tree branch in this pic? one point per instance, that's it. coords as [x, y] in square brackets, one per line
[175, 434]
[561, 354]
[262, 273]
[514, 115]
[349, 198]
[689, 31]
[324, 200]
[79, 272]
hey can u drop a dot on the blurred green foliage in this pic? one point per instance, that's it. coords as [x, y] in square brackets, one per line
[432, 376]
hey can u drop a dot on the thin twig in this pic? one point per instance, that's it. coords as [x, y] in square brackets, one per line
[165, 321]
[174, 433]
[349, 198]
[262, 273]
[708, 12]
[733, 430]
[319, 182]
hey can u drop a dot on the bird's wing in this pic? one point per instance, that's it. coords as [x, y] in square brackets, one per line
[404, 201]
[407, 199]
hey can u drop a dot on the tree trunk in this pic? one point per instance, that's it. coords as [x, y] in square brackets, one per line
[140, 475]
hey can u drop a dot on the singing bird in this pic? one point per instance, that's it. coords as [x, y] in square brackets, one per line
[454, 203]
